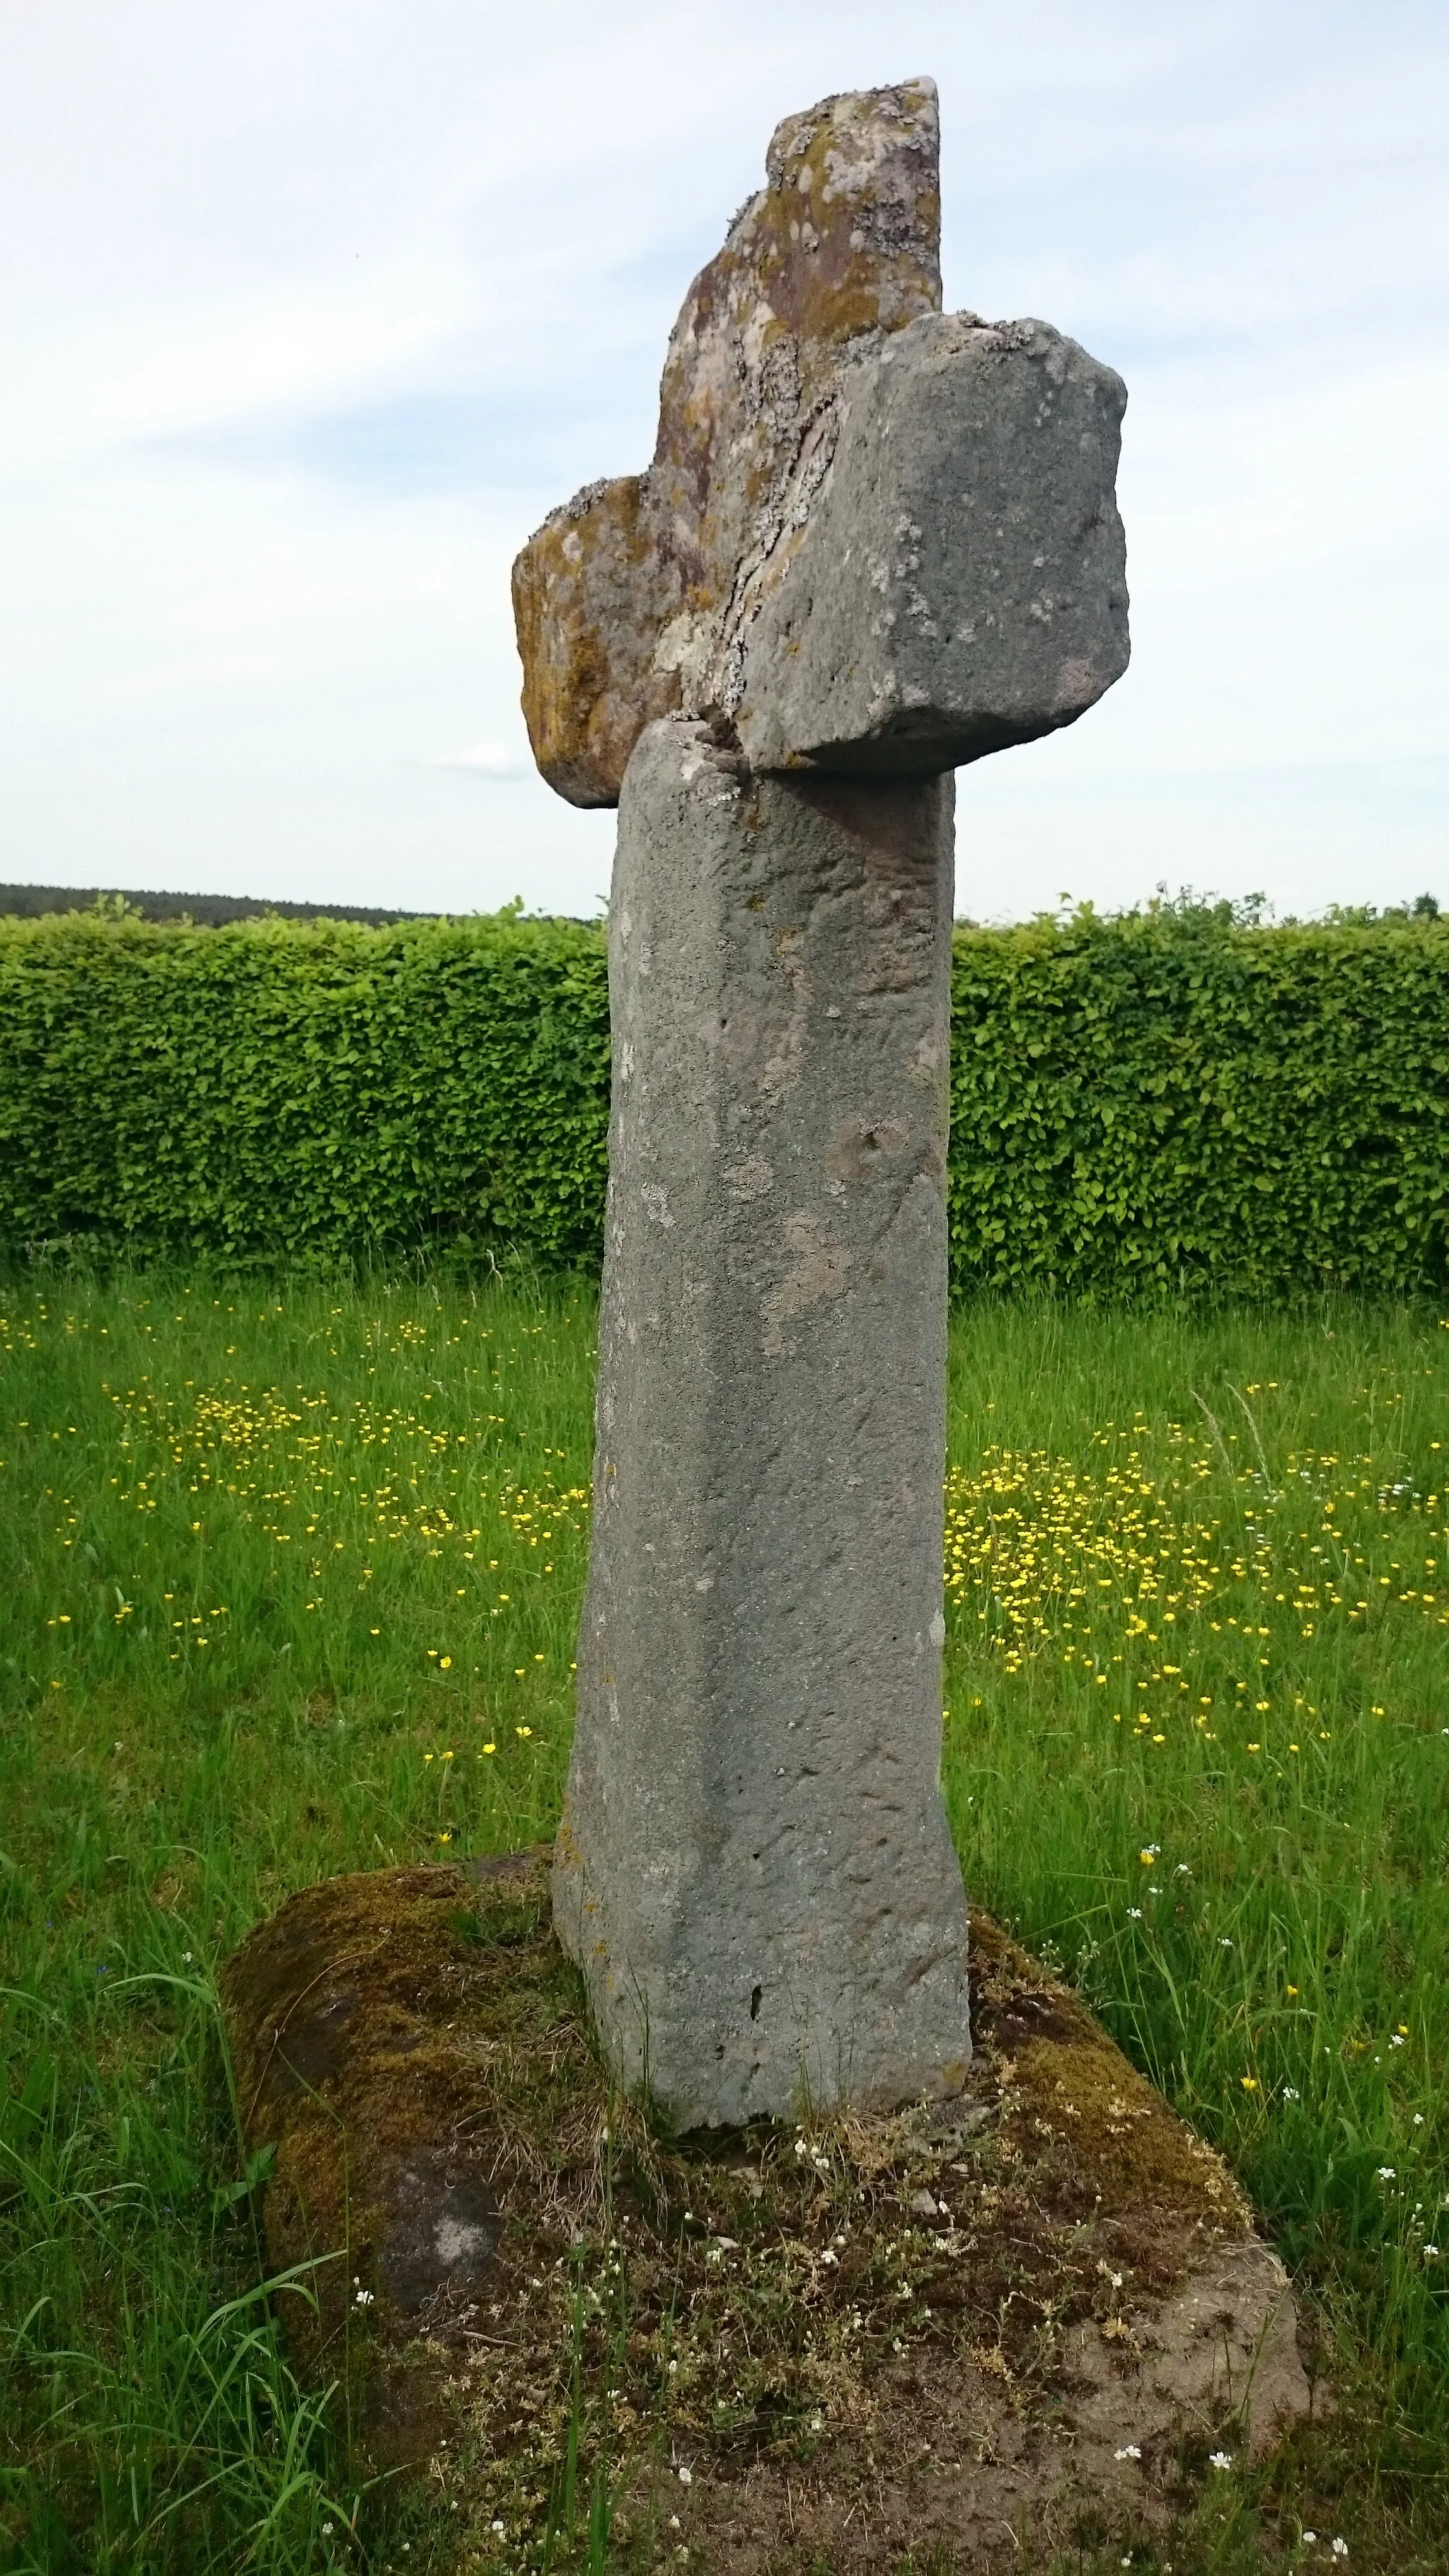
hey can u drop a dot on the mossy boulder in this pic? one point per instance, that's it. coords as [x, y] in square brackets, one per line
[1044, 2294]
[385, 2030]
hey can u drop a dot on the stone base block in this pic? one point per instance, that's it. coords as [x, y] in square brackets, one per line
[924, 2331]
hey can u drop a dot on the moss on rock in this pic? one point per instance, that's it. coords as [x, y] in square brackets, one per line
[503, 2249]
[628, 600]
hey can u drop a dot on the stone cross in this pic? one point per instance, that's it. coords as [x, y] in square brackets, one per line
[876, 542]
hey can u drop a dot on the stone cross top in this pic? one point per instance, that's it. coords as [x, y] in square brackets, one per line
[876, 542]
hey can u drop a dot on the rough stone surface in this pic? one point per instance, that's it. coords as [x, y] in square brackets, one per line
[874, 543]
[587, 593]
[959, 582]
[754, 1869]
[630, 602]
[908, 517]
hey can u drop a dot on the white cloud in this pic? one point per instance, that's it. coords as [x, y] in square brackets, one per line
[486, 760]
[314, 313]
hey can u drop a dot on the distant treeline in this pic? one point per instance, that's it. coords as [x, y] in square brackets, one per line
[1175, 1100]
[207, 911]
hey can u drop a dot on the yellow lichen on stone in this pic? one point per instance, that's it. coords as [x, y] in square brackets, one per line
[630, 602]
[587, 598]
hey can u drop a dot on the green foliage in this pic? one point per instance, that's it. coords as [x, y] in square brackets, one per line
[304, 1093]
[1180, 1098]
[223, 1677]
[257, 1699]
[1177, 1099]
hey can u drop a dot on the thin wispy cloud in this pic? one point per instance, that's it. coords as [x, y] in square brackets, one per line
[486, 760]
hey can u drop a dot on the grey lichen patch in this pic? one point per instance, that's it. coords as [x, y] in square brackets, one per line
[959, 584]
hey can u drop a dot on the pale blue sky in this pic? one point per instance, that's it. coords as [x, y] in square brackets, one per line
[311, 309]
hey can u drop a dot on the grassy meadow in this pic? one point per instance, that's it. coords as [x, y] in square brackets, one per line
[291, 1578]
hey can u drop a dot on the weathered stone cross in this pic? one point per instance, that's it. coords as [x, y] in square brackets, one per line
[876, 542]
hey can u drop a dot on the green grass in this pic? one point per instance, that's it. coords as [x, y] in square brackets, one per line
[291, 1583]
[1199, 1750]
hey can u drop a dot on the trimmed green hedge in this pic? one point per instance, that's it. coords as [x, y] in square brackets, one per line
[1163, 1100]
[1176, 1098]
[277, 1092]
